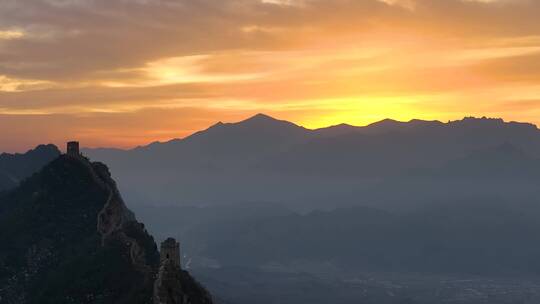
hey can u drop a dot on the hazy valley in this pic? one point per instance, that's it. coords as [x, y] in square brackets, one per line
[410, 200]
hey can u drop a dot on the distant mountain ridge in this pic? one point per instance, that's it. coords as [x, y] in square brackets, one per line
[261, 136]
[16, 167]
[421, 196]
[384, 125]
[263, 157]
[266, 122]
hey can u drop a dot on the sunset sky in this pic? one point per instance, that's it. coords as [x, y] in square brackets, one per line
[128, 72]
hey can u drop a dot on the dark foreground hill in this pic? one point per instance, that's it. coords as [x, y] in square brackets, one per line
[67, 237]
[16, 167]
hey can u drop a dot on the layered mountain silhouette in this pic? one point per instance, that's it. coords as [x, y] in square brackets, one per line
[263, 157]
[16, 167]
[68, 237]
[447, 198]
[223, 145]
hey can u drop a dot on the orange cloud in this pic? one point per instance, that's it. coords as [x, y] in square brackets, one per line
[124, 74]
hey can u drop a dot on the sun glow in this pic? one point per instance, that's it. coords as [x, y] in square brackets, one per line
[364, 110]
[182, 67]
[9, 35]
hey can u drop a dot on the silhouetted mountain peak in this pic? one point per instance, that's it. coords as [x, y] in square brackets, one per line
[482, 122]
[260, 117]
[253, 124]
[385, 122]
[40, 149]
[16, 167]
[49, 149]
[487, 122]
[390, 125]
[337, 130]
[421, 122]
[475, 121]
[483, 119]
[264, 121]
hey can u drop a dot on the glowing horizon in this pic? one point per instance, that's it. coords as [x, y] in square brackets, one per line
[182, 135]
[176, 67]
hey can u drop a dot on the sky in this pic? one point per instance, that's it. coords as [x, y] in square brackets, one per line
[122, 73]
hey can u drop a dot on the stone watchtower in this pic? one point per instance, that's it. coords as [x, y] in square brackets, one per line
[170, 252]
[73, 148]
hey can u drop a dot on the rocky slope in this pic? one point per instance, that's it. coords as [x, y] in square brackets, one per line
[68, 237]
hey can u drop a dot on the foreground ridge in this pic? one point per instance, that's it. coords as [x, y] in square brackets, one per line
[70, 238]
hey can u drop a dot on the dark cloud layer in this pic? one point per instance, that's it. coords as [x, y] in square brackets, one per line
[82, 40]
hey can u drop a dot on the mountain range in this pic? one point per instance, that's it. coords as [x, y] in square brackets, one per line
[269, 199]
[419, 197]
[16, 167]
[263, 157]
